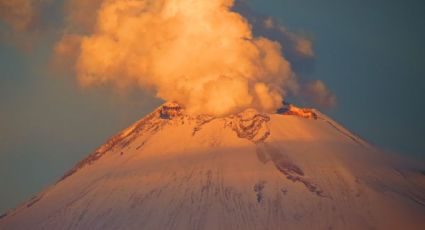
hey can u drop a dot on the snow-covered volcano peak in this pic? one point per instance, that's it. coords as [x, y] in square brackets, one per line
[294, 169]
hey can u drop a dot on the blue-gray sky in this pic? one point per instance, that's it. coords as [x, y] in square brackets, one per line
[371, 55]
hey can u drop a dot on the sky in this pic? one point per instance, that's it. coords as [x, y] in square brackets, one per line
[370, 55]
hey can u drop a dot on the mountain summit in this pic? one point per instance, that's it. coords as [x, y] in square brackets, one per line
[295, 169]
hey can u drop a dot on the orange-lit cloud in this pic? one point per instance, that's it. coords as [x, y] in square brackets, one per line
[66, 52]
[316, 92]
[198, 53]
[22, 22]
[302, 44]
[80, 15]
[19, 14]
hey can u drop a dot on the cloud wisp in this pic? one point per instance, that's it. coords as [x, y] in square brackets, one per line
[23, 22]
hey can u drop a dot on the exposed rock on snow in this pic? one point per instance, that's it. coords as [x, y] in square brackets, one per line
[250, 125]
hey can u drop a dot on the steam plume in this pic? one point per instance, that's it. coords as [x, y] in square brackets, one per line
[198, 53]
[318, 93]
[201, 54]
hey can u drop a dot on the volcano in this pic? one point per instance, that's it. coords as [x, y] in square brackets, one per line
[294, 169]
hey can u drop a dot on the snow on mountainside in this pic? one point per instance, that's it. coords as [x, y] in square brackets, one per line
[296, 169]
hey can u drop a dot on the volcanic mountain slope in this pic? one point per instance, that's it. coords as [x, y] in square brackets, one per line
[296, 169]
